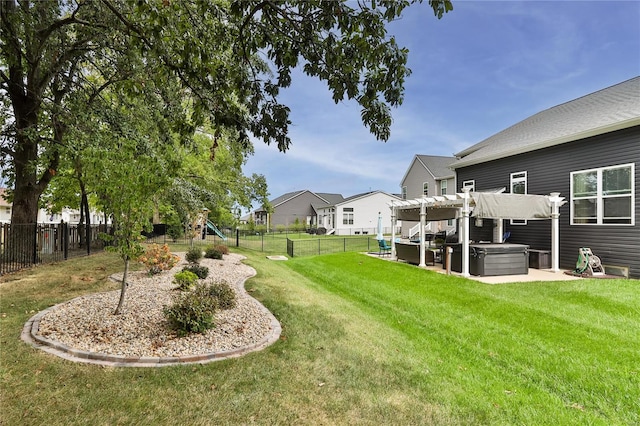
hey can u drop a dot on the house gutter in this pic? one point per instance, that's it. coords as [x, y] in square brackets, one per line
[546, 144]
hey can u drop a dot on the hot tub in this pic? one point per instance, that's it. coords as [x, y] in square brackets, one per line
[492, 259]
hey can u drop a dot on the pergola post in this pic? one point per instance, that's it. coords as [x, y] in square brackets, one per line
[423, 221]
[556, 200]
[465, 231]
[393, 231]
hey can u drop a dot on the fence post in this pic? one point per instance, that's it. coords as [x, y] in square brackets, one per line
[262, 241]
[318, 245]
[35, 243]
[344, 243]
[65, 240]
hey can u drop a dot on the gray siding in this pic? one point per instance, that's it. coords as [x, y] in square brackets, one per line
[298, 207]
[548, 170]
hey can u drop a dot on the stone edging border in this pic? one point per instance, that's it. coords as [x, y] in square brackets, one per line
[30, 336]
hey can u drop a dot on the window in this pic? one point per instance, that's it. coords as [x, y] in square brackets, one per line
[443, 187]
[347, 216]
[603, 196]
[404, 192]
[518, 186]
[7, 210]
[425, 189]
[471, 184]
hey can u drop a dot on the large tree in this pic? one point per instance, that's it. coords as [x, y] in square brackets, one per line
[229, 58]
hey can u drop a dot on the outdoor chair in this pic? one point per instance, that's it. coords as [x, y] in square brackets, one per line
[384, 248]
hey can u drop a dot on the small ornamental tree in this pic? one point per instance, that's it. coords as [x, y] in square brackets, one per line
[126, 184]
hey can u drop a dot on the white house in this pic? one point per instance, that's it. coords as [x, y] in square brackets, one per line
[70, 216]
[358, 214]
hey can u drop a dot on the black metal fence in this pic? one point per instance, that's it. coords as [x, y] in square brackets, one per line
[265, 242]
[25, 245]
[330, 245]
[273, 242]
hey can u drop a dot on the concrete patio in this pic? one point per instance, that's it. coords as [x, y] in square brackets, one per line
[533, 275]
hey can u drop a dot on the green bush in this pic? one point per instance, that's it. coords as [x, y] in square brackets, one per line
[201, 271]
[185, 280]
[174, 231]
[193, 255]
[224, 295]
[192, 311]
[212, 253]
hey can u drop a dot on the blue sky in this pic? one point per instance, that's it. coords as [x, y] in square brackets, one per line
[480, 69]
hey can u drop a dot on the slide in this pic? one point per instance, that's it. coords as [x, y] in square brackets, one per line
[211, 226]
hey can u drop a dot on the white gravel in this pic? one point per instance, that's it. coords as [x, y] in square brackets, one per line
[87, 323]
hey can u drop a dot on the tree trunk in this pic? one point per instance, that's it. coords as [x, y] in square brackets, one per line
[81, 233]
[123, 289]
[88, 219]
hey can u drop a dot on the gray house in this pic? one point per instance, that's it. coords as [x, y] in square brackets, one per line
[428, 175]
[588, 150]
[294, 206]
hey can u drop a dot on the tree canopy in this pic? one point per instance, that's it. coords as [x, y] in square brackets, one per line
[153, 72]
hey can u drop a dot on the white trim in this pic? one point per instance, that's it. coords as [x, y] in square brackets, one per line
[445, 186]
[517, 177]
[599, 197]
[472, 186]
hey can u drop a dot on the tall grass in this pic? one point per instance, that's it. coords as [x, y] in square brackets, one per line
[364, 341]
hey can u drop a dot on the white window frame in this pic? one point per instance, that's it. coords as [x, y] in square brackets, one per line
[425, 185]
[600, 197]
[443, 187]
[518, 177]
[469, 184]
[404, 192]
[347, 216]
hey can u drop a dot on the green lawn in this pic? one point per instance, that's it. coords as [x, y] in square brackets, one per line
[364, 341]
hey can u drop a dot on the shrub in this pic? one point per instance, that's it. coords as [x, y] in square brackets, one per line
[224, 295]
[222, 248]
[158, 258]
[193, 255]
[212, 253]
[185, 280]
[174, 231]
[201, 271]
[192, 311]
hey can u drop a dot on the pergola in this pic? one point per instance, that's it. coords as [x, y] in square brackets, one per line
[481, 205]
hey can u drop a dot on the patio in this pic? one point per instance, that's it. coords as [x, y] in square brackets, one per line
[533, 275]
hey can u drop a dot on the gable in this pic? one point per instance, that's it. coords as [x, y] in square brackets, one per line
[435, 166]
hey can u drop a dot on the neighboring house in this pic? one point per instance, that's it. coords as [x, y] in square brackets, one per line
[428, 175]
[358, 214]
[294, 205]
[67, 215]
[5, 208]
[588, 150]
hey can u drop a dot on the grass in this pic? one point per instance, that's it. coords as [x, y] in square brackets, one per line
[364, 341]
